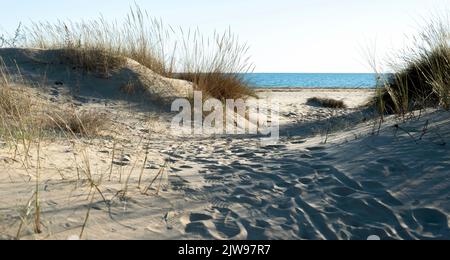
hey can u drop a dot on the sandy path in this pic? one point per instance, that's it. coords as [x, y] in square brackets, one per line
[299, 190]
[393, 183]
[355, 186]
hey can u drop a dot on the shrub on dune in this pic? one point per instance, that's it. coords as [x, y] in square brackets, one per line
[15, 106]
[326, 102]
[21, 115]
[423, 77]
[216, 65]
[95, 61]
[83, 123]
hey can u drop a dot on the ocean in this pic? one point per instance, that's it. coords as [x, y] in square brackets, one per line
[312, 80]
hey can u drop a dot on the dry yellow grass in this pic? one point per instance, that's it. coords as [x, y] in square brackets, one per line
[215, 64]
[20, 114]
[422, 79]
[84, 123]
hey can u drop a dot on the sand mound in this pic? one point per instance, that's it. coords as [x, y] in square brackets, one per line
[130, 81]
[364, 180]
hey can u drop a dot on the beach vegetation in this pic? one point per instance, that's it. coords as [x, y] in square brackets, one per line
[421, 73]
[216, 64]
[326, 102]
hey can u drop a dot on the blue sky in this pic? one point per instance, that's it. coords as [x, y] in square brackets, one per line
[284, 35]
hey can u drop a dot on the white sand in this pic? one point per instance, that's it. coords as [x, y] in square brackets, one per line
[362, 182]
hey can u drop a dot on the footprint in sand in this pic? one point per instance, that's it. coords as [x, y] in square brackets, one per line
[316, 148]
[306, 156]
[196, 217]
[294, 192]
[242, 196]
[342, 191]
[213, 179]
[305, 181]
[298, 142]
[123, 161]
[219, 202]
[275, 147]
[197, 228]
[222, 224]
[171, 219]
[246, 155]
[227, 225]
[373, 186]
[432, 220]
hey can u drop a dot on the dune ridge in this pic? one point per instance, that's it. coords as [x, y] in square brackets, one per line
[334, 174]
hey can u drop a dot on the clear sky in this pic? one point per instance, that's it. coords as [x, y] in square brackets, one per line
[284, 35]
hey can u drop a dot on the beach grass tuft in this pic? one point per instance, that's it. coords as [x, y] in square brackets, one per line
[83, 123]
[421, 78]
[326, 102]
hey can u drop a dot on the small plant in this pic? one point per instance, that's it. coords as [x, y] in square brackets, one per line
[326, 102]
[84, 123]
[13, 104]
[94, 189]
[216, 65]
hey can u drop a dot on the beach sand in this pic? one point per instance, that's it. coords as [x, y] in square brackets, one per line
[334, 174]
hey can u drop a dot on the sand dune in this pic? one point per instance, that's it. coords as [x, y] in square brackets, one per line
[390, 181]
[130, 82]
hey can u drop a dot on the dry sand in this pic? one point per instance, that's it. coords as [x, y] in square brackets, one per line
[389, 180]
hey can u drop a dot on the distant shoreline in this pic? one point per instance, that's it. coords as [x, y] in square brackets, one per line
[312, 80]
[304, 89]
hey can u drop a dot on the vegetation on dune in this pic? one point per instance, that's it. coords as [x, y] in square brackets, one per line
[422, 78]
[21, 115]
[15, 108]
[95, 61]
[326, 102]
[214, 64]
[83, 123]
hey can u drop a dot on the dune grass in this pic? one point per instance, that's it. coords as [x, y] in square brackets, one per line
[326, 102]
[422, 77]
[13, 104]
[83, 123]
[97, 61]
[98, 44]
[215, 64]
[21, 115]
[25, 124]
[15, 109]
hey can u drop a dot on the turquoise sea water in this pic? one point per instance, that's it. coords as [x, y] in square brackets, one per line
[312, 80]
